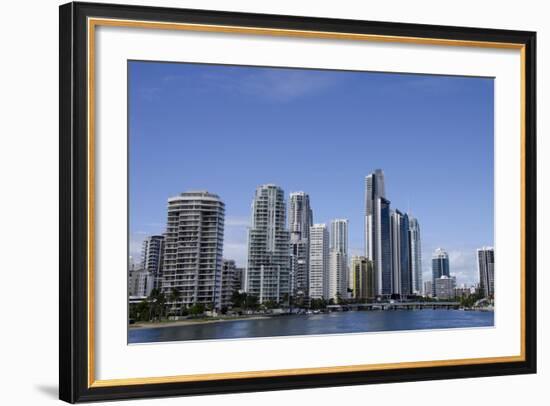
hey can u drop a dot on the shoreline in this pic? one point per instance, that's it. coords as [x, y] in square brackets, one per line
[191, 322]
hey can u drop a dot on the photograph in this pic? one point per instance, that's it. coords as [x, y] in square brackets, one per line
[253, 201]
[286, 201]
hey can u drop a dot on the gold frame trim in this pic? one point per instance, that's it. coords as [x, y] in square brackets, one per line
[94, 22]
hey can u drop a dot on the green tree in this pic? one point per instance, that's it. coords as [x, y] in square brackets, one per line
[140, 311]
[251, 302]
[157, 301]
[318, 304]
[197, 309]
[244, 301]
[270, 304]
[469, 301]
[174, 298]
[238, 299]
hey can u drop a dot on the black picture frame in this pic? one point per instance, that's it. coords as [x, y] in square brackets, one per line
[74, 199]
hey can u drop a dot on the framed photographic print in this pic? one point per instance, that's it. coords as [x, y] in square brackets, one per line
[257, 202]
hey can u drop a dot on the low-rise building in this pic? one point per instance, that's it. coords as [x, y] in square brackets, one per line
[140, 283]
[445, 287]
[428, 289]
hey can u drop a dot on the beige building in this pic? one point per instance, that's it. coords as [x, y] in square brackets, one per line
[362, 278]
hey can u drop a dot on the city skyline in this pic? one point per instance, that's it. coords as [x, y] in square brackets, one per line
[412, 187]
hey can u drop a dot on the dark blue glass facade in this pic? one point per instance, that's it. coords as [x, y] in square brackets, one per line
[406, 279]
[385, 240]
[440, 267]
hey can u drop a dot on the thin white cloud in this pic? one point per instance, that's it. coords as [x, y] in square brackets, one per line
[286, 85]
[150, 94]
[271, 85]
[235, 221]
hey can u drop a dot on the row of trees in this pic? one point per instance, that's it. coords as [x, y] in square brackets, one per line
[470, 300]
[159, 306]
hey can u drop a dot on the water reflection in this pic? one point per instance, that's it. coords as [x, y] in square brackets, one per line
[332, 323]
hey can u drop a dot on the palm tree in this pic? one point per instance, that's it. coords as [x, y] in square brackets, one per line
[175, 296]
[157, 300]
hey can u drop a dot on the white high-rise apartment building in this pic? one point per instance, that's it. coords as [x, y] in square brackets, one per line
[268, 269]
[338, 269]
[318, 261]
[193, 248]
[300, 218]
[415, 255]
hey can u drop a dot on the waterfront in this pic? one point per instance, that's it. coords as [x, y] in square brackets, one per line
[327, 323]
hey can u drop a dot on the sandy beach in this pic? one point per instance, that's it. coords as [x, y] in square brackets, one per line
[191, 322]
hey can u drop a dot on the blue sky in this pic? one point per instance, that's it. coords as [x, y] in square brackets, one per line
[228, 129]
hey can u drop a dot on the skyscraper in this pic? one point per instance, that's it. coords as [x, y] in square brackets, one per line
[318, 261]
[300, 216]
[152, 253]
[300, 220]
[486, 269]
[377, 231]
[338, 268]
[440, 266]
[415, 252]
[231, 278]
[193, 247]
[362, 278]
[268, 270]
[401, 272]
[299, 269]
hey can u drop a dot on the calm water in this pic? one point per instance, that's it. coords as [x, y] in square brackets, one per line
[331, 323]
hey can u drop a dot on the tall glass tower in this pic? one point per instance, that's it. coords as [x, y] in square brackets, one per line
[300, 215]
[440, 266]
[377, 231]
[486, 268]
[268, 270]
[401, 281]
